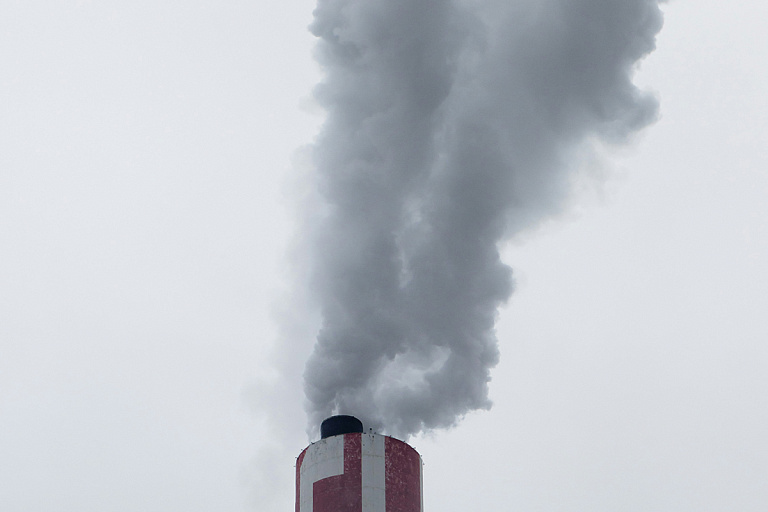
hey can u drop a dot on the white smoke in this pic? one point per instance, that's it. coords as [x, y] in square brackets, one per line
[448, 128]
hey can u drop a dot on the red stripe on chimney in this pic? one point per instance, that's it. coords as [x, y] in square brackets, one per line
[299, 462]
[402, 477]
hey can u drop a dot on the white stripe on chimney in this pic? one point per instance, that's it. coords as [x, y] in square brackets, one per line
[374, 492]
[323, 459]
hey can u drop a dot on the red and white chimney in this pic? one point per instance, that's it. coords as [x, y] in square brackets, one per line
[352, 471]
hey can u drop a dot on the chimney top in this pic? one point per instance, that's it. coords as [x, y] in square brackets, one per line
[340, 424]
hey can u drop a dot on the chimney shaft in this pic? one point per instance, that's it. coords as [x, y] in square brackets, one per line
[349, 470]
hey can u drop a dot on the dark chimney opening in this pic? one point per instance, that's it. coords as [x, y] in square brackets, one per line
[341, 424]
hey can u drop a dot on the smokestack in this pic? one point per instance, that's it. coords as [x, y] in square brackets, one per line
[349, 470]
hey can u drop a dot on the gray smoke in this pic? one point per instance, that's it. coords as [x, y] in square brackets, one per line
[449, 129]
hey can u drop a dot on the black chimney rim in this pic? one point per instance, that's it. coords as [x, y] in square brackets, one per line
[340, 424]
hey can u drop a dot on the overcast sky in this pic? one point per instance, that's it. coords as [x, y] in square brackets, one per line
[150, 165]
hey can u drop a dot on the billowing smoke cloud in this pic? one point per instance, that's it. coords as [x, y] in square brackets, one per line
[450, 125]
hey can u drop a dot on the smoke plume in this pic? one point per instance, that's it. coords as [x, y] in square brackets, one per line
[449, 129]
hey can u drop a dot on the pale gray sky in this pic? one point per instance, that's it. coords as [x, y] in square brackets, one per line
[148, 167]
